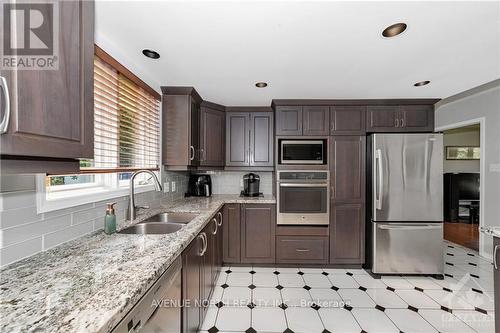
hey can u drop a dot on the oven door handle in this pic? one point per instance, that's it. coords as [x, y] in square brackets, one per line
[409, 227]
[302, 185]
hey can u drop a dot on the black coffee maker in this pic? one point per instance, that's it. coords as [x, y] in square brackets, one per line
[199, 186]
[251, 183]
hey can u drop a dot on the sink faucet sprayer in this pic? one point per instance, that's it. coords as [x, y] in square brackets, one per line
[132, 213]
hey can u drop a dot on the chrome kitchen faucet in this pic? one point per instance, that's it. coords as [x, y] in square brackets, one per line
[132, 208]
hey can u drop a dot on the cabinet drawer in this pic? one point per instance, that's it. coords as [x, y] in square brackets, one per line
[300, 249]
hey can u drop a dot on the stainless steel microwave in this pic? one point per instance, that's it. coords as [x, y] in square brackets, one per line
[302, 151]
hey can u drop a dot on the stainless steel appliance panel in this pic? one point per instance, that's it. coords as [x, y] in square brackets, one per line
[407, 177]
[303, 198]
[302, 151]
[408, 248]
[159, 310]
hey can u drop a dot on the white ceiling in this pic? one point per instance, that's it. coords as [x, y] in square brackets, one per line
[304, 49]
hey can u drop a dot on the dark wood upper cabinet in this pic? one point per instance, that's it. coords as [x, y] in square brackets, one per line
[347, 120]
[258, 225]
[180, 139]
[237, 139]
[417, 118]
[212, 138]
[261, 139]
[289, 120]
[400, 118]
[231, 233]
[249, 139]
[51, 111]
[347, 233]
[194, 139]
[316, 120]
[347, 166]
[382, 118]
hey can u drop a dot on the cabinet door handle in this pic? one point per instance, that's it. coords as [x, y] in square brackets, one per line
[4, 125]
[191, 148]
[219, 214]
[402, 123]
[396, 122]
[215, 226]
[495, 256]
[205, 239]
[200, 236]
[302, 250]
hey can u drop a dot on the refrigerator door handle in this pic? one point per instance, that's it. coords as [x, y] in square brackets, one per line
[380, 180]
[409, 227]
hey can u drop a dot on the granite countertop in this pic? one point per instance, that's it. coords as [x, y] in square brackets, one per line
[89, 284]
[490, 230]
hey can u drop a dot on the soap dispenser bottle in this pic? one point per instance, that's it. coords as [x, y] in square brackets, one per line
[110, 219]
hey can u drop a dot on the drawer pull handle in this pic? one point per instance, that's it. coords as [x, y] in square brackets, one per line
[302, 250]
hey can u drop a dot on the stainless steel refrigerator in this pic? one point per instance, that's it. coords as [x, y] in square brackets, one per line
[405, 203]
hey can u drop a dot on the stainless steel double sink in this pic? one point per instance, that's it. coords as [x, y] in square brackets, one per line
[163, 223]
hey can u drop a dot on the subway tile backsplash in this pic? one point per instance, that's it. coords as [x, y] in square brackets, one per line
[23, 232]
[230, 182]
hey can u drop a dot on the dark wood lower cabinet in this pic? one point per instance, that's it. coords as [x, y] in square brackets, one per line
[191, 285]
[201, 263]
[302, 249]
[218, 244]
[208, 266]
[496, 277]
[347, 230]
[231, 233]
[258, 224]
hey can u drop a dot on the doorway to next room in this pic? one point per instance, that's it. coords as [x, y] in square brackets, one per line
[461, 170]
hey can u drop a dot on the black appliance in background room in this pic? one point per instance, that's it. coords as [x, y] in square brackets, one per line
[199, 186]
[251, 183]
[461, 197]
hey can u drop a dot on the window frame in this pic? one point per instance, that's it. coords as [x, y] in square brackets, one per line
[95, 194]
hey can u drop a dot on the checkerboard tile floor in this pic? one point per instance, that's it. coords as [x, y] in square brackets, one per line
[309, 300]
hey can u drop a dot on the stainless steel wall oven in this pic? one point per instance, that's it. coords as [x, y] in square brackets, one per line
[303, 197]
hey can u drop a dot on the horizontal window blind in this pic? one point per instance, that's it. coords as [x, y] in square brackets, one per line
[126, 123]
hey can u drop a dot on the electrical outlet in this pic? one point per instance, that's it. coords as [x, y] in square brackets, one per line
[166, 187]
[173, 187]
[494, 167]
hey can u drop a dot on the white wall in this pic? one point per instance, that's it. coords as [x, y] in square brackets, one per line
[466, 137]
[480, 103]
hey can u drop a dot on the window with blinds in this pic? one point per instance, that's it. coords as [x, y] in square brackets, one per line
[126, 133]
[127, 120]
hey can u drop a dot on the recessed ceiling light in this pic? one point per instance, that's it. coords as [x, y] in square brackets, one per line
[422, 83]
[394, 30]
[261, 84]
[151, 54]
